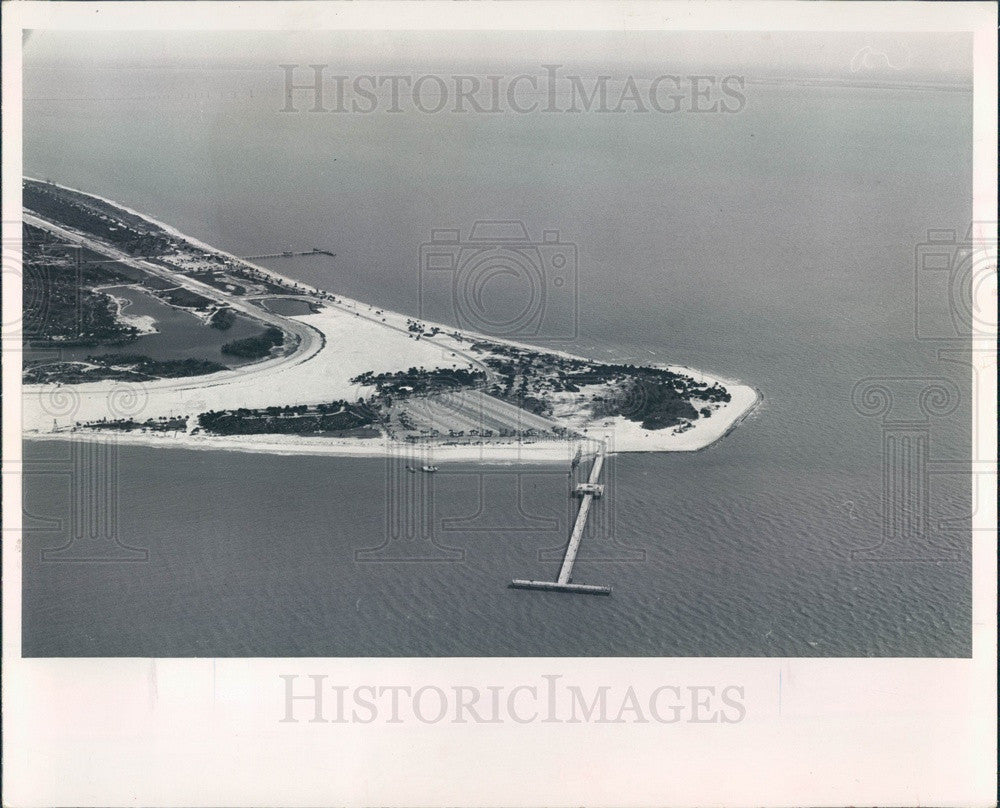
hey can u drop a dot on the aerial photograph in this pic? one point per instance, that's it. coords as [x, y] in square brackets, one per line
[501, 343]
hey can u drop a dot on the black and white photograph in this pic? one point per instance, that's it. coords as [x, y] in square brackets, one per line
[501, 340]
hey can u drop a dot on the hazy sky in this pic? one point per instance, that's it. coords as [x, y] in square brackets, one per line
[901, 57]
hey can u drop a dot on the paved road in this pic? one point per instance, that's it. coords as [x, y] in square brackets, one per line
[354, 308]
[310, 339]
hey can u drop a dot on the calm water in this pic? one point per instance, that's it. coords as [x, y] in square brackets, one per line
[775, 246]
[179, 334]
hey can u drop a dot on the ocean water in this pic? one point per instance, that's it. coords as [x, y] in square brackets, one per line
[776, 246]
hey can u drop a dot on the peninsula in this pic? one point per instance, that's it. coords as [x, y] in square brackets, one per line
[298, 370]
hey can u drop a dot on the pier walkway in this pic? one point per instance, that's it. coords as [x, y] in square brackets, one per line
[588, 492]
[289, 254]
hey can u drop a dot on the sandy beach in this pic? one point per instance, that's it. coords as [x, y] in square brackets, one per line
[337, 344]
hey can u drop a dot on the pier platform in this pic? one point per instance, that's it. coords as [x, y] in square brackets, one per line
[554, 586]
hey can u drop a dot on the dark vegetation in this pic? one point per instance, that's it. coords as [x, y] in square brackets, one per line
[185, 298]
[654, 403]
[223, 319]
[419, 381]
[60, 304]
[335, 417]
[160, 368]
[123, 367]
[220, 282]
[163, 424]
[113, 225]
[76, 373]
[659, 399]
[418, 328]
[255, 347]
[656, 397]
[536, 405]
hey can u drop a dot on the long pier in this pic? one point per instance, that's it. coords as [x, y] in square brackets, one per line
[588, 492]
[290, 254]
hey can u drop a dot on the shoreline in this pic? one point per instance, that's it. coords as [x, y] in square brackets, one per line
[541, 451]
[346, 334]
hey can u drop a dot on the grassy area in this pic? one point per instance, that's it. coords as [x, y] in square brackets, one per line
[163, 424]
[416, 381]
[221, 282]
[223, 319]
[337, 418]
[87, 215]
[122, 367]
[60, 304]
[255, 347]
[185, 298]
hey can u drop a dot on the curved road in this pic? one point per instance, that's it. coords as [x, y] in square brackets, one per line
[311, 340]
[353, 309]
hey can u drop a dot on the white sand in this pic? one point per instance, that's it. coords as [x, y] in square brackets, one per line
[339, 343]
[542, 451]
[143, 323]
[351, 345]
[623, 435]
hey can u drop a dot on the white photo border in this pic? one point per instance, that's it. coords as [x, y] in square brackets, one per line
[209, 732]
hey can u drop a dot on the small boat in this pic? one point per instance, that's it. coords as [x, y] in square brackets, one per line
[411, 469]
[429, 469]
